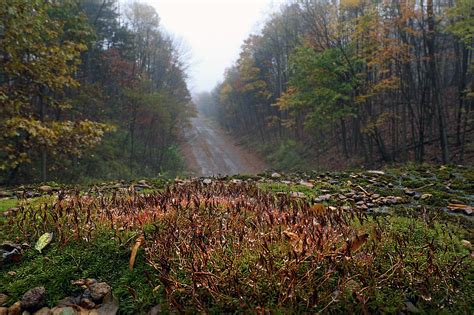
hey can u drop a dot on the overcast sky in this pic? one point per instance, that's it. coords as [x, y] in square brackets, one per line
[213, 31]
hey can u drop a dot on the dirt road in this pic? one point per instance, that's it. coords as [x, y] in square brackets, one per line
[210, 151]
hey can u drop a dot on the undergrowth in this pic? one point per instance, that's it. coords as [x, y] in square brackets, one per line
[234, 246]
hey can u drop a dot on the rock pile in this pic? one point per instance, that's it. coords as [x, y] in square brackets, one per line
[96, 299]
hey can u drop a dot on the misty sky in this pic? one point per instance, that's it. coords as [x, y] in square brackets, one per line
[213, 31]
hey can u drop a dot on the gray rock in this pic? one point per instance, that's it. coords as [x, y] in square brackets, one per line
[68, 301]
[276, 175]
[426, 196]
[155, 310]
[99, 290]
[58, 310]
[376, 172]
[45, 189]
[33, 299]
[297, 194]
[3, 299]
[87, 303]
[43, 311]
[4, 194]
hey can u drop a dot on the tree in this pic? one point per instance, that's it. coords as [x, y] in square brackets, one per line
[37, 67]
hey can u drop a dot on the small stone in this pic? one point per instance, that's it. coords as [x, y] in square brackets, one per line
[297, 194]
[33, 299]
[83, 282]
[43, 311]
[58, 310]
[207, 181]
[3, 299]
[390, 185]
[307, 184]
[155, 310]
[68, 301]
[409, 192]
[376, 172]
[375, 196]
[5, 194]
[25, 313]
[276, 175]
[466, 244]
[15, 309]
[87, 303]
[109, 306]
[426, 196]
[87, 294]
[11, 273]
[45, 189]
[99, 290]
[350, 194]
[3, 310]
[324, 197]
[19, 193]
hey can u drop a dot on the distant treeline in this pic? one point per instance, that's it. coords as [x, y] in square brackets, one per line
[87, 92]
[354, 82]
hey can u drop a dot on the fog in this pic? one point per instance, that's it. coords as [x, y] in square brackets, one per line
[212, 32]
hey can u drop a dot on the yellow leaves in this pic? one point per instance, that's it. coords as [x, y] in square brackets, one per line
[286, 101]
[135, 248]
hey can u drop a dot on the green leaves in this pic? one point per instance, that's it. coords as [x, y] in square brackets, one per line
[321, 85]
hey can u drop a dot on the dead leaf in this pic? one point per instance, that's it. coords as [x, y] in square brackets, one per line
[43, 241]
[294, 241]
[354, 244]
[460, 207]
[137, 245]
[317, 209]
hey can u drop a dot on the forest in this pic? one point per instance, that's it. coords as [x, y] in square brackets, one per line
[359, 83]
[87, 92]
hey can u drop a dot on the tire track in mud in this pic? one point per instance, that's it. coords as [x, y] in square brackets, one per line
[210, 151]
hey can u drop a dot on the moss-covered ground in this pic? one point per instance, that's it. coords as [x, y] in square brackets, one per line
[248, 243]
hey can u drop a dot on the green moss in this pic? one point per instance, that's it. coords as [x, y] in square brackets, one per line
[101, 259]
[6, 204]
